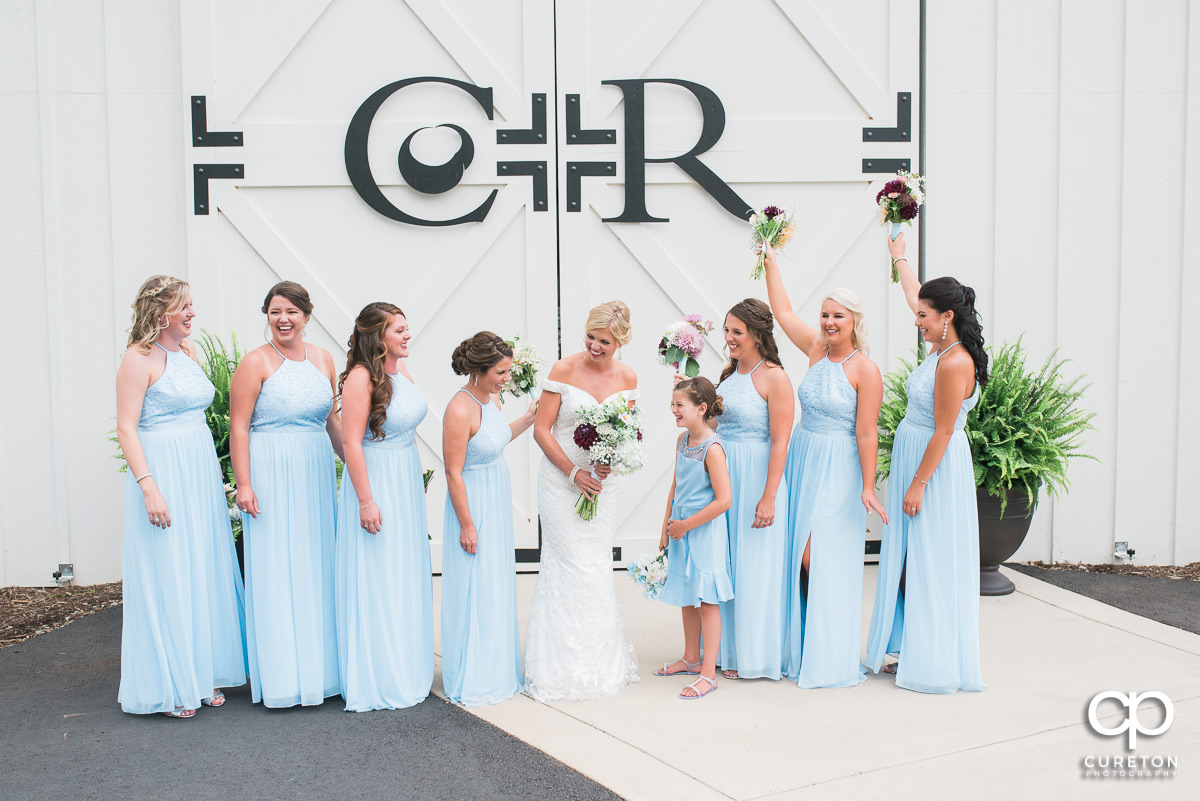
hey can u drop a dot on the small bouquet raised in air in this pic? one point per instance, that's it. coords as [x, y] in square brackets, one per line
[524, 374]
[610, 434]
[900, 201]
[649, 573]
[683, 343]
[774, 226]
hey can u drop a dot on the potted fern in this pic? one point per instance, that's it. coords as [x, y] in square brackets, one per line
[1024, 431]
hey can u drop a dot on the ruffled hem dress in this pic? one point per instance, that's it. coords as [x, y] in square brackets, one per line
[934, 626]
[481, 641]
[183, 624]
[698, 562]
[384, 582]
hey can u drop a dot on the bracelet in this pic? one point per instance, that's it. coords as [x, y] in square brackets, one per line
[138, 479]
[918, 478]
[897, 261]
[574, 472]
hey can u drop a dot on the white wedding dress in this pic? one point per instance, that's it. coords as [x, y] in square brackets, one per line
[576, 646]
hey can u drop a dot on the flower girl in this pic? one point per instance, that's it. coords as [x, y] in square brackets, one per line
[695, 526]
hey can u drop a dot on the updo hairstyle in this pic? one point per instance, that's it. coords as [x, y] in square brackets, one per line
[700, 390]
[292, 291]
[159, 299]
[948, 295]
[480, 353]
[760, 325]
[613, 315]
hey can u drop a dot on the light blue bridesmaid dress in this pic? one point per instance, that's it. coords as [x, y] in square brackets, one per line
[827, 515]
[289, 547]
[752, 624]
[183, 632]
[934, 625]
[383, 582]
[481, 642]
[698, 562]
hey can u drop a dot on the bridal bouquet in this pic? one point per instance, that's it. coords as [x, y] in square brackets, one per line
[609, 434]
[649, 573]
[774, 226]
[684, 342]
[524, 374]
[899, 201]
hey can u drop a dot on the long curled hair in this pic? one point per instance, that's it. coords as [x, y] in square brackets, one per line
[478, 354]
[158, 299]
[367, 348]
[760, 324]
[700, 390]
[851, 302]
[948, 295]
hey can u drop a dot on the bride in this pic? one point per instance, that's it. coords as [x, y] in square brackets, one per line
[576, 646]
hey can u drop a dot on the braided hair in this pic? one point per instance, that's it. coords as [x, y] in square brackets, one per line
[760, 325]
[949, 295]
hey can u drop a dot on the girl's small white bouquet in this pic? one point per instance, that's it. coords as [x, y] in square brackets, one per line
[523, 376]
[684, 342]
[900, 201]
[609, 434]
[774, 226]
[649, 573]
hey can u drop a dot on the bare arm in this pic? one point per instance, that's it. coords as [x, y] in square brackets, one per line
[243, 395]
[781, 412]
[547, 413]
[662, 539]
[518, 426]
[333, 422]
[866, 430]
[802, 335]
[908, 278]
[950, 386]
[356, 410]
[456, 434]
[718, 474]
[133, 379]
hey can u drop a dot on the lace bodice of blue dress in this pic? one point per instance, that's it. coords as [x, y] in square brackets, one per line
[828, 404]
[489, 441]
[296, 397]
[745, 417]
[405, 412]
[920, 395]
[179, 396]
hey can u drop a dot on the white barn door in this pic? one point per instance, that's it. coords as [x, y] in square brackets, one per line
[818, 102]
[273, 89]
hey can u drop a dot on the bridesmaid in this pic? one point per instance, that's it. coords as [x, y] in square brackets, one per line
[382, 576]
[927, 591]
[282, 422]
[182, 633]
[481, 643]
[831, 475]
[754, 430]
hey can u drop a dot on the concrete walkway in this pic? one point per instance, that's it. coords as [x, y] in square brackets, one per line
[1046, 653]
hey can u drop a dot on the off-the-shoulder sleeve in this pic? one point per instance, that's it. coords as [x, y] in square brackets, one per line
[556, 387]
[630, 394]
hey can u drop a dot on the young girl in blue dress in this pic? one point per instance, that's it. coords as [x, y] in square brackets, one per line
[695, 527]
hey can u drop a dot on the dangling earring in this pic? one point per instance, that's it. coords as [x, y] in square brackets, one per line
[945, 328]
[164, 323]
[475, 382]
[618, 354]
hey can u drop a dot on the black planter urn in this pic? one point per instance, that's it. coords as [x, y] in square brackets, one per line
[1000, 537]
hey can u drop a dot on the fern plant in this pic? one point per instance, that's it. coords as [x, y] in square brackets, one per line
[218, 364]
[1024, 430]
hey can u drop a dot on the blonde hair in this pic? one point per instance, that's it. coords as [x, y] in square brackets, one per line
[613, 315]
[851, 302]
[160, 296]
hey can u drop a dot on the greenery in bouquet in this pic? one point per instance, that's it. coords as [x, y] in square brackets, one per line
[683, 343]
[899, 202]
[772, 225]
[523, 377]
[610, 434]
[649, 573]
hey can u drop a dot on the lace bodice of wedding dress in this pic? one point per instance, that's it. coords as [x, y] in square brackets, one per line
[576, 646]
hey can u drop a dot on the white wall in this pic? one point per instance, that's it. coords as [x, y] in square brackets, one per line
[1060, 142]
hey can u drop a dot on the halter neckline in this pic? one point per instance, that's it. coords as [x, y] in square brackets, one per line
[752, 369]
[843, 361]
[285, 358]
[472, 397]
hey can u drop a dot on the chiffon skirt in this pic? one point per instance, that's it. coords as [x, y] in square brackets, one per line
[698, 564]
[934, 626]
[825, 507]
[183, 630]
[384, 587]
[481, 644]
[289, 569]
[752, 624]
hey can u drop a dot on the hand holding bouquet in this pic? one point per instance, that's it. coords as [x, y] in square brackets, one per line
[649, 573]
[684, 342]
[523, 376]
[900, 201]
[610, 435]
[774, 226]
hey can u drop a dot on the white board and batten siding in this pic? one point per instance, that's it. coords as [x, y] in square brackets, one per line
[1061, 137]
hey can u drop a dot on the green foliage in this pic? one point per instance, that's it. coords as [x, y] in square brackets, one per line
[1024, 430]
[218, 364]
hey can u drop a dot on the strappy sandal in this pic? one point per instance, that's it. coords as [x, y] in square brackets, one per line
[214, 700]
[731, 674]
[180, 712]
[712, 688]
[693, 668]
